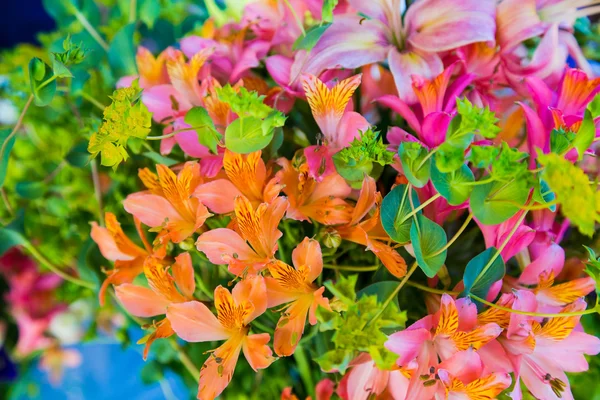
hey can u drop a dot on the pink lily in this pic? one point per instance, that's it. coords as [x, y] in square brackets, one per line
[411, 45]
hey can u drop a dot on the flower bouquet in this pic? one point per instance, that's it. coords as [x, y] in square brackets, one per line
[310, 199]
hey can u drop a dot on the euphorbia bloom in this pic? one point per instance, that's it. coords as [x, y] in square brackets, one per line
[439, 337]
[168, 203]
[146, 302]
[194, 322]
[255, 244]
[322, 201]
[367, 230]
[410, 46]
[294, 285]
[117, 247]
[247, 175]
[338, 126]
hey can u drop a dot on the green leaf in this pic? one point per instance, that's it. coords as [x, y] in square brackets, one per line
[494, 202]
[449, 158]
[42, 82]
[6, 144]
[13, 234]
[343, 288]
[149, 11]
[199, 120]
[60, 69]
[327, 10]
[311, 38]
[542, 194]
[380, 289]
[454, 186]
[78, 156]
[476, 280]
[245, 135]
[160, 159]
[30, 190]
[560, 141]
[394, 208]
[412, 156]
[121, 52]
[151, 372]
[585, 135]
[243, 102]
[428, 238]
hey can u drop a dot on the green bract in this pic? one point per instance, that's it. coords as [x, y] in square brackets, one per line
[416, 163]
[394, 209]
[494, 202]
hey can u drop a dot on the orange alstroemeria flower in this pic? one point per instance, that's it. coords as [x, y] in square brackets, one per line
[146, 302]
[294, 285]
[117, 247]
[368, 230]
[255, 244]
[194, 322]
[322, 201]
[184, 75]
[168, 203]
[247, 175]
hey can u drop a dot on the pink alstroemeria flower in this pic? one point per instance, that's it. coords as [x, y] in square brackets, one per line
[437, 100]
[439, 337]
[557, 109]
[410, 45]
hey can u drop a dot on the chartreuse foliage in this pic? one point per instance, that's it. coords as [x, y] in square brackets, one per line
[127, 117]
[358, 324]
[395, 208]
[366, 155]
[578, 199]
[200, 121]
[255, 127]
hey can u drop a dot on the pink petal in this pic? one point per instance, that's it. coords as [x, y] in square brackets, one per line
[440, 25]
[407, 344]
[464, 365]
[193, 322]
[404, 110]
[405, 64]
[159, 101]
[183, 273]
[141, 301]
[551, 259]
[435, 126]
[349, 128]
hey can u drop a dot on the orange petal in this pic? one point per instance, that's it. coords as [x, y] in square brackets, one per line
[163, 330]
[565, 293]
[277, 294]
[560, 328]
[152, 70]
[448, 316]
[217, 371]
[476, 338]
[290, 327]
[232, 316]
[247, 173]
[160, 281]
[183, 273]
[308, 253]
[257, 351]
[252, 289]
[328, 105]
[366, 200]
[184, 76]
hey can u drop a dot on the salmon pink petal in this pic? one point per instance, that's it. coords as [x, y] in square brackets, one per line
[108, 246]
[141, 301]
[279, 68]
[440, 25]
[218, 195]
[551, 259]
[249, 58]
[257, 351]
[222, 245]
[217, 371]
[366, 380]
[194, 322]
[276, 294]
[159, 100]
[290, 327]
[465, 365]
[325, 389]
[254, 290]
[308, 253]
[151, 209]
[407, 344]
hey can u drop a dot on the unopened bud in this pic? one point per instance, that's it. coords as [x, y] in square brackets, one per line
[332, 239]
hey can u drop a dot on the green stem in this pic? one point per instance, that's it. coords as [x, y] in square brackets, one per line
[97, 191]
[535, 314]
[203, 288]
[499, 250]
[168, 135]
[431, 290]
[185, 360]
[393, 295]
[47, 82]
[6, 202]
[460, 231]
[88, 27]
[132, 11]
[304, 369]
[16, 128]
[481, 182]
[351, 267]
[422, 206]
[296, 17]
[45, 262]
[92, 100]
